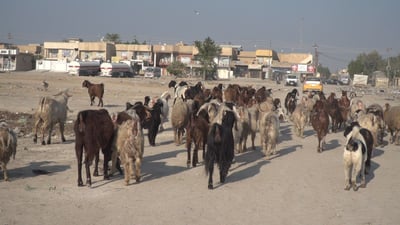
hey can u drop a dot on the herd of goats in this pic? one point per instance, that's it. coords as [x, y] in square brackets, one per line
[217, 120]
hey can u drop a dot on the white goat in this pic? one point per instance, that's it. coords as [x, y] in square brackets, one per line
[50, 112]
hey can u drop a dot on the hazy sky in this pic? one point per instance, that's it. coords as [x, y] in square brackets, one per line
[342, 29]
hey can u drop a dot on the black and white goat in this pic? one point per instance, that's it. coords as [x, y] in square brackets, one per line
[356, 155]
[220, 147]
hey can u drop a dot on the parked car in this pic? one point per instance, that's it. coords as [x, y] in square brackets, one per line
[152, 72]
[122, 74]
[313, 84]
[291, 80]
[333, 81]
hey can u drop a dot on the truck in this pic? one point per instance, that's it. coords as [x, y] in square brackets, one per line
[292, 79]
[115, 69]
[84, 68]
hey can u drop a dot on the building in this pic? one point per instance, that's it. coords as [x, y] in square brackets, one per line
[232, 61]
[12, 59]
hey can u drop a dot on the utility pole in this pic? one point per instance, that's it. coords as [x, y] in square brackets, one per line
[315, 46]
[9, 52]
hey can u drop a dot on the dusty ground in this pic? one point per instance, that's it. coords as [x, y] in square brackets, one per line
[299, 186]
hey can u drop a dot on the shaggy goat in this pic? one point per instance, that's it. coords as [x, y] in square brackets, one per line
[129, 141]
[8, 147]
[355, 156]
[392, 121]
[51, 111]
[300, 118]
[94, 90]
[180, 116]
[269, 133]
[94, 130]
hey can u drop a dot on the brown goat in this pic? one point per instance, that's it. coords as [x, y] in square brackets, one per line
[94, 130]
[94, 90]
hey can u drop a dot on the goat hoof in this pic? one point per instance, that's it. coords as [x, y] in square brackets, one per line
[43, 143]
[347, 188]
[95, 173]
[137, 179]
[363, 185]
[210, 186]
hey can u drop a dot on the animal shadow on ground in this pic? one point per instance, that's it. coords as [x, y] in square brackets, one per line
[310, 133]
[285, 133]
[331, 145]
[238, 174]
[371, 175]
[152, 168]
[285, 151]
[112, 106]
[35, 169]
[377, 152]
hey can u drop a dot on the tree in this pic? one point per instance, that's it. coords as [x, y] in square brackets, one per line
[366, 64]
[324, 71]
[207, 51]
[176, 68]
[112, 38]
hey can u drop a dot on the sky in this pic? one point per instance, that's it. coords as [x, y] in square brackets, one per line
[341, 29]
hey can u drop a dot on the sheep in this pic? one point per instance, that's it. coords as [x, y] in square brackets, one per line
[129, 142]
[94, 130]
[391, 116]
[269, 133]
[94, 90]
[51, 111]
[179, 119]
[8, 147]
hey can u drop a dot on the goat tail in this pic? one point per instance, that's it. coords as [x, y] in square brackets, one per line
[42, 103]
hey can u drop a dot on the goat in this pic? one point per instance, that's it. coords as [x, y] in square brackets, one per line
[320, 123]
[51, 111]
[8, 147]
[197, 131]
[269, 133]
[180, 116]
[129, 142]
[94, 90]
[220, 147]
[392, 121]
[355, 155]
[150, 119]
[291, 101]
[94, 130]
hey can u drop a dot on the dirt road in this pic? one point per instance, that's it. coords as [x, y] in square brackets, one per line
[298, 186]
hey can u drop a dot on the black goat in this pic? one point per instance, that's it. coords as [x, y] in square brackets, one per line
[220, 147]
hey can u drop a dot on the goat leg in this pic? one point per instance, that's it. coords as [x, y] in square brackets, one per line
[96, 165]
